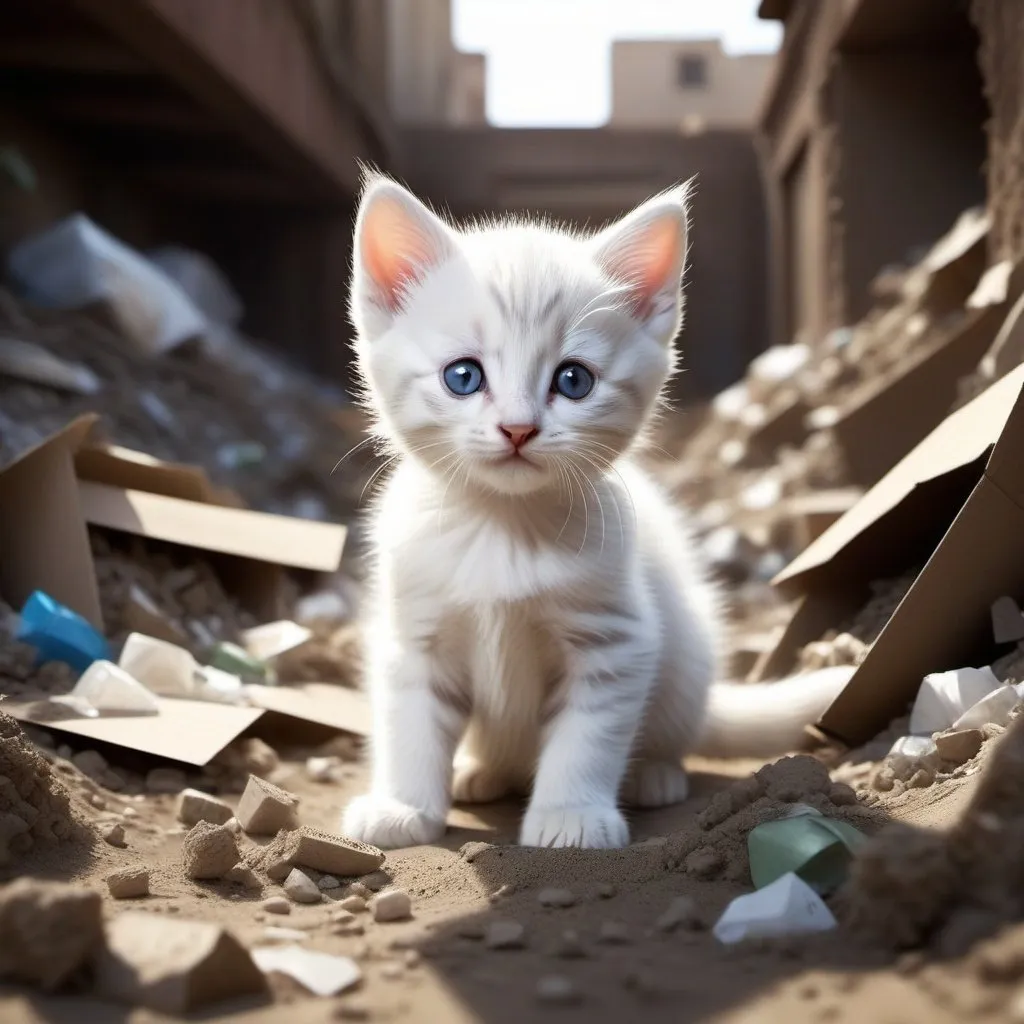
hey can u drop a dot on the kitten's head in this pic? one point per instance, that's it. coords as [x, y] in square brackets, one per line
[514, 355]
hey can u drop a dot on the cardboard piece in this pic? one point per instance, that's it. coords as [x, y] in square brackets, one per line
[965, 508]
[320, 703]
[48, 497]
[184, 730]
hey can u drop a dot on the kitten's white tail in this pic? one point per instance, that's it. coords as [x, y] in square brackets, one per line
[766, 719]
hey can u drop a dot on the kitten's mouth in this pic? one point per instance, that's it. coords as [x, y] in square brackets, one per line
[516, 459]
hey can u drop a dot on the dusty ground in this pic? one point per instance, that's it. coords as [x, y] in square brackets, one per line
[436, 966]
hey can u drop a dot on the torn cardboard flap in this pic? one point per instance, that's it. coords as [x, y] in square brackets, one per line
[50, 496]
[944, 621]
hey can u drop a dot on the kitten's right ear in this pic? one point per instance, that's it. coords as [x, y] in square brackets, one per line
[397, 241]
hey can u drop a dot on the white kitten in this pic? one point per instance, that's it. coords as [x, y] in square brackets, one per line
[539, 614]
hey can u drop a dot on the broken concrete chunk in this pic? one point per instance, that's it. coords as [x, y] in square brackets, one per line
[242, 874]
[266, 809]
[322, 851]
[128, 883]
[1007, 621]
[173, 966]
[209, 851]
[48, 930]
[195, 806]
[959, 746]
[301, 888]
[505, 935]
[393, 905]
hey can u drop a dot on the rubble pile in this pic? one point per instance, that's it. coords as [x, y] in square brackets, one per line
[257, 426]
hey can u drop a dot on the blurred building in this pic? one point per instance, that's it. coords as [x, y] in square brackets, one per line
[665, 83]
[873, 134]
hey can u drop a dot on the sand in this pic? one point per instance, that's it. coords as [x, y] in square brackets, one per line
[601, 955]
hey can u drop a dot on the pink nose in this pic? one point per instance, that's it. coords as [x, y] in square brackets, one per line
[518, 433]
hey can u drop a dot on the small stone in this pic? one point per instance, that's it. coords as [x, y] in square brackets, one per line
[208, 851]
[195, 806]
[376, 881]
[681, 912]
[92, 764]
[128, 883]
[265, 809]
[505, 935]
[613, 933]
[234, 824]
[704, 862]
[570, 947]
[393, 905]
[173, 967]
[48, 931]
[392, 971]
[166, 780]
[114, 834]
[301, 888]
[959, 747]
[276, 905]
[323, 769]
[328, 882]
[557, 990]
[353, 904]
[411, 958]
[606, 891]
[358, 889]
[242, 874]
[556, 898]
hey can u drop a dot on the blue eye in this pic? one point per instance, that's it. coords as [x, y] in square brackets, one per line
[464, 377]
[573, 380]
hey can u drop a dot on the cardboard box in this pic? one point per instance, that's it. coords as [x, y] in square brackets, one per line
[955, 503]
[50, 496]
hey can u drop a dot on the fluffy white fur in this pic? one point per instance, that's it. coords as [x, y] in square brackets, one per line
[540, 618]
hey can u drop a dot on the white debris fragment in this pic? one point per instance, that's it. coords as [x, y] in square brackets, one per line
[161, 667]
[789, 906]
[109, 690]
[779, 363]
[273, 639]
[321, 973]
[992, 709]
[944, 696]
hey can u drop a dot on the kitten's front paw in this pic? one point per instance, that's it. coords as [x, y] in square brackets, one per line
[389, 824]
[588, 827]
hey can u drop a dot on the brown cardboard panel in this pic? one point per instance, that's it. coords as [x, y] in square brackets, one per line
[959, 442]
[279, 540]
[887, 418]
[44, 544]
[320, 703]
[185, 730]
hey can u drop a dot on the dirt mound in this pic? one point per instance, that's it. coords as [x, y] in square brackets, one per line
[35, 808]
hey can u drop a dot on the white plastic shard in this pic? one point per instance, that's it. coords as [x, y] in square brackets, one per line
[272, 639]
[112, 691]
[789, 906]
[214, 684]
[993, 709]
[945, 696]
[321, 973]
[161, 667]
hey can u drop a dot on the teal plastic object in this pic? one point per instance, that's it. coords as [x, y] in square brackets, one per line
[59, 634]
[816, 848]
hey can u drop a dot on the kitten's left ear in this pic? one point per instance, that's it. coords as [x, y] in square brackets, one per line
[645, 252]
[397, 241]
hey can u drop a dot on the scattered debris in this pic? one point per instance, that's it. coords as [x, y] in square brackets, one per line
[114, 834]
[276, 905]
[266, 809]
[128, 883]
[195, 806]
[209, 851]
[301, 888]
[392, 905]
[321, 973]
[789, 906]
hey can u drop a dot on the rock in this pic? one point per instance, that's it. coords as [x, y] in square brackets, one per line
[322, 851]
[265, 809]
[393, 905]
[570, 947]
[557, 990]
[958, 747]
[376, 881]
[301, 888]
[242, 874]
[505, 935]
[166, 780]
[92, 764]
[276, 905]
[323, 769]
[606, 891]
[328, 882]
[613, 933]
[556, 898]
[128, 883]
[114, 834]
[358, 889]
[173, 966]
[353, 904]
[48, 931]
[681, 912]
[195, 806]
[209, 851]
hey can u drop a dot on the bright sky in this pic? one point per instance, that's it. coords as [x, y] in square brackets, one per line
[548, 61]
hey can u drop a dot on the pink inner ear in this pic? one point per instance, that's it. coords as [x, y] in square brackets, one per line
[649, 262]
[395, 251]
